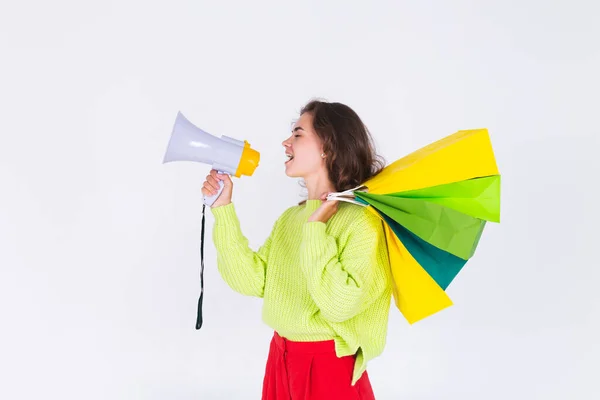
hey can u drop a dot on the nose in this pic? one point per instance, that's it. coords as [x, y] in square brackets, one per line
[286, 143]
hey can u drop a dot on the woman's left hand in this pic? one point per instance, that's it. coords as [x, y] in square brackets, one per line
[325, 210]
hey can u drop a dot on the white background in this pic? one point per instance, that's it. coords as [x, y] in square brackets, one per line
[100, 242]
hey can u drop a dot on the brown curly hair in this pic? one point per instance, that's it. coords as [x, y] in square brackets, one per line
[352, 157]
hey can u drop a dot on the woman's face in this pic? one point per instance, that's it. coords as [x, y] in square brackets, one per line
[304, 149]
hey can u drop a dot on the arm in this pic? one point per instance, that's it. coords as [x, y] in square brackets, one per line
[240, 267]
[344, 280]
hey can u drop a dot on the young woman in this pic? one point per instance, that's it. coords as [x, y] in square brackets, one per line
[323, 272]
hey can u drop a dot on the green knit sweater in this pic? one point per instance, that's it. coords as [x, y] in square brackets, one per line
[318, 281]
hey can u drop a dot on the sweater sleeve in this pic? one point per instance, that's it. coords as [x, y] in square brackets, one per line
[344, 279]
[240, 267]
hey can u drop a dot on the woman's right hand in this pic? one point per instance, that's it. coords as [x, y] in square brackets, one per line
[211, 186]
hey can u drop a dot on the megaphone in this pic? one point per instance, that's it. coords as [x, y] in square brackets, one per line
[224, 154]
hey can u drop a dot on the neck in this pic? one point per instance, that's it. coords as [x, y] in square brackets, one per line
[317, 186]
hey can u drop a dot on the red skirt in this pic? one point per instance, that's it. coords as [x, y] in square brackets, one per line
[311, 370]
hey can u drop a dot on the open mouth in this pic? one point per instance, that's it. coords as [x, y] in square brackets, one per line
[290, 157]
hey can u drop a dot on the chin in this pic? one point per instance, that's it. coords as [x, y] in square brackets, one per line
[291, 173]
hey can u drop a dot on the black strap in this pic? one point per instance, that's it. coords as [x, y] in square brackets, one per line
[199, 318]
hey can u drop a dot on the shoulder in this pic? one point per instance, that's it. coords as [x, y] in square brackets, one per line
[288, 213]
[358, 219]
[360, 232]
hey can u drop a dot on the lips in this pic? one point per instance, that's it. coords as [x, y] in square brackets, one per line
[289, 156]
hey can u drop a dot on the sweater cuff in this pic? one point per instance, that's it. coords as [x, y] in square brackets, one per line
[225, 214]
[227, 231]
[314, 230]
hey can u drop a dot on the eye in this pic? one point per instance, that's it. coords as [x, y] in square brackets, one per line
[296, 135]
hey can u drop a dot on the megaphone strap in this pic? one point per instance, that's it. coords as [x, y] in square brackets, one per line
[199, 317]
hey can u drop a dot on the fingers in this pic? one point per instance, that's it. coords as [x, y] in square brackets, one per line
[208, 189]
[331, 202]
[215, 174]
[220, 177]
[212, 184]
[225, 178]
[212, 181]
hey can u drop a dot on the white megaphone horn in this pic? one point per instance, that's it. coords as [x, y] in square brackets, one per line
[224, 154]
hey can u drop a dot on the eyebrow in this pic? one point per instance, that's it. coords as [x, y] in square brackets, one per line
[298, 128]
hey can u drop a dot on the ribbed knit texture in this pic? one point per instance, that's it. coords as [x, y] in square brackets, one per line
[318, 281]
